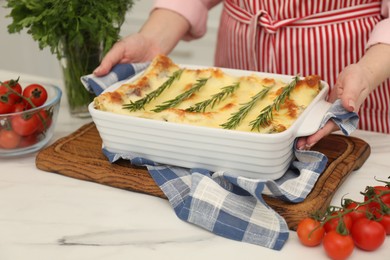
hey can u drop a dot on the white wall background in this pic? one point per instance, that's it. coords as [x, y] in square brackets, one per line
[18, 52]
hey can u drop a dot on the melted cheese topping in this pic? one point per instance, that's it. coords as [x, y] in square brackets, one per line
[162, 68]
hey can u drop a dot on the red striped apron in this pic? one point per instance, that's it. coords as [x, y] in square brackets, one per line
[303, 37]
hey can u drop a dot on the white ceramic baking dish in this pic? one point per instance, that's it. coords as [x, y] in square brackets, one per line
[253, 155]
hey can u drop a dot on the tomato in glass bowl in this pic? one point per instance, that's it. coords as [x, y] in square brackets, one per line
[27, 118]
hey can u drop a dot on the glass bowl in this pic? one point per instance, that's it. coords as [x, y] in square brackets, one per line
[17, 134]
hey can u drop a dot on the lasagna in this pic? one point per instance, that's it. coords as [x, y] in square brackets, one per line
[211, 97]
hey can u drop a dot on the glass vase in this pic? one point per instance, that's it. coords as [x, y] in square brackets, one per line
[78, 58]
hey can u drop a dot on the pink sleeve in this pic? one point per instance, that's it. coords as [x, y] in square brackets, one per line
[381, 32]
[195, 11]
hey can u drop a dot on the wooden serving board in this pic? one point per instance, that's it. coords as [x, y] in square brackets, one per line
[79, 156]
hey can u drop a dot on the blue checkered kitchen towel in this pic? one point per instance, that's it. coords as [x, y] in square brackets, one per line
[232, 207]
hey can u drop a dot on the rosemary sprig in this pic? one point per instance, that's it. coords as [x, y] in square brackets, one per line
[237, 117]
[183, 96]
[216, 98]
[140, 103]
[266, 115]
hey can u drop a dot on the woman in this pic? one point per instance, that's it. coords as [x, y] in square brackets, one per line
[346, 42]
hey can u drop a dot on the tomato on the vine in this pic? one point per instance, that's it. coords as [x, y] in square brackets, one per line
[368, 234]
[376, 190]
[383, 219]
[36, 94]
[44, 119]
[332, 224]
[358, 211]
[5, 107]
[338, 246]
[24, 124]
[28, 140]
[13, 90]
[5, 102]
[9, 139]
[19, 107]
[310, 232]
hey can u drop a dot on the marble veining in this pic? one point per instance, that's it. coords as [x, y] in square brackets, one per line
[132, 237]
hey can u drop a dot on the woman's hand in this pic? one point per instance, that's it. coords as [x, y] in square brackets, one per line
[133, 48]
[159, 35]
[352, 87]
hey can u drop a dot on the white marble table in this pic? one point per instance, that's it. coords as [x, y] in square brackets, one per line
[49, 216]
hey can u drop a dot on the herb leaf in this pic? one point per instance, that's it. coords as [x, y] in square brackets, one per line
[140, 103]
[266, 115]
[216, 98]
[177, 100]
[237, 117]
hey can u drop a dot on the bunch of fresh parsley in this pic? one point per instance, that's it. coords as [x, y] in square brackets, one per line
[52, 22]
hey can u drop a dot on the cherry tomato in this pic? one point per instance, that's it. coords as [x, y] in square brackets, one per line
[338, 246]
[9, 139]
[358, 211]
[13, 88]
[5, 108]
[383, 219]
[5, 102]
[19, 107]
[310, 232]
[36, 93]
[385, 222]
[376, 190]
[24, 124]
[334, 222]
[29, 140]
[44, 119]
[368, 234]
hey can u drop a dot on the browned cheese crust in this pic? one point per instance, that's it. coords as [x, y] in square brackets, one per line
[161, 70]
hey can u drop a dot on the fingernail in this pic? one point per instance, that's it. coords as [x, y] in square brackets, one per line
[304, 147]
[309, 146]
[96, 70]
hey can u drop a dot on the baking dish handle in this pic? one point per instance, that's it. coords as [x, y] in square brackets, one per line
[312, 121]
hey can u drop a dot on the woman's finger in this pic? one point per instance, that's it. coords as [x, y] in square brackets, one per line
[114, 56]
[305, 143]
